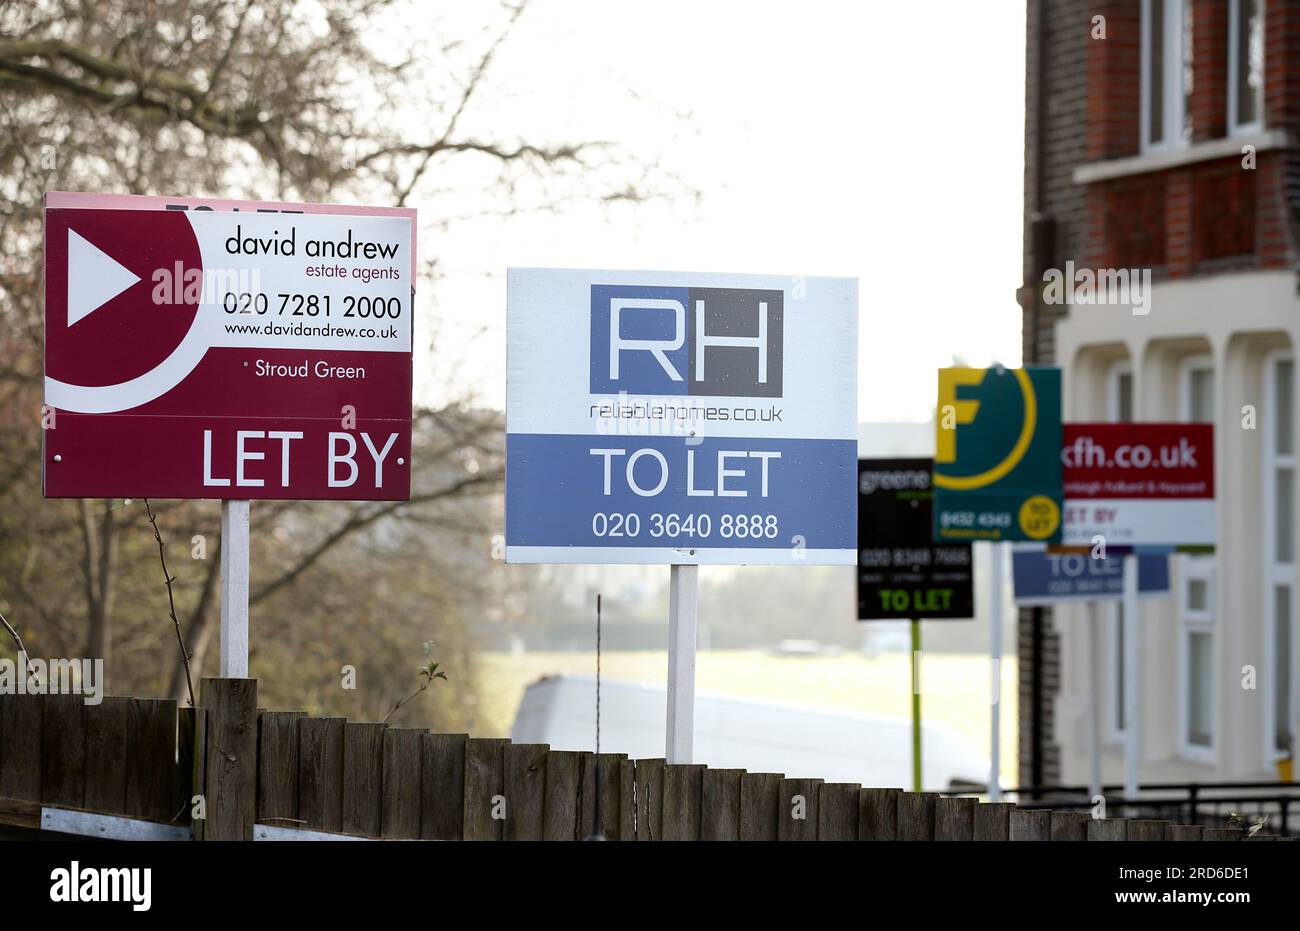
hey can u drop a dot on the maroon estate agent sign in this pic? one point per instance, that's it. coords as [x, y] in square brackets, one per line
[226, 349]
[1139, 484]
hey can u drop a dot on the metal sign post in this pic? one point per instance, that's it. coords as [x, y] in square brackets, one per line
[234, 589]
[998, 549]
[683, 602]
[1094, 699]
[1131, 704]
[916, 704]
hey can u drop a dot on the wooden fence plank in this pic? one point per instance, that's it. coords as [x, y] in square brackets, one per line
[198, 758]
[586, 803]
[560, 807]
[992, 821]
[611, 814]
[442, 777]
[402, 785]
[320, 773]
[954, 818]
[16, 814]
[878, 814]
[20, 747]
[1028, 824]
[484, 759]
[797, 811]
[525, 791]
[916, 815]
[1184, 832]
[277, 766]
[151, 781]
[608, 790]
[106, 755]
[1107, 829]
[649, 799]
[720, 804]
[760, 806]
[230, 747]
[1221, 834]
[683, 792]
[627, 800]
[1069, 825]
[363, 778]
[837, 811]
[186, 788]
[1139, 829]
[63, 751]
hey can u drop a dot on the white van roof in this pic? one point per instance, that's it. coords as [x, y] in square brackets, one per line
[757, 734]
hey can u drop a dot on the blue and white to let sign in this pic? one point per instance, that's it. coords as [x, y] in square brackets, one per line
[680, 418]
[1042, 578]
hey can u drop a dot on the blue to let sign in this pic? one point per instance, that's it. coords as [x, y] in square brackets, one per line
[680, 418]
[1045, 578]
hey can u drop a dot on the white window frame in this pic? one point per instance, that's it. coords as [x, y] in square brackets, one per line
[1196, 568]
[1172, 78]
[1114, 646]
[1234, 25]
[1275, 573]
[1189, 623]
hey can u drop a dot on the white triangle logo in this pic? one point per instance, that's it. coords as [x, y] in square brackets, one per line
[94, 278]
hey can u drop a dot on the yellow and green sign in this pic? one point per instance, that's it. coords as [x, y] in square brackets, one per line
[997, 463]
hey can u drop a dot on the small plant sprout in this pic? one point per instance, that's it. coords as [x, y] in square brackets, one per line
[428, 672]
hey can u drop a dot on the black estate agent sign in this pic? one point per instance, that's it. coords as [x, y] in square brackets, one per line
[901, 573]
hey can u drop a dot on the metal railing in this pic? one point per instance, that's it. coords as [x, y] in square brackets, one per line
[1211, 804]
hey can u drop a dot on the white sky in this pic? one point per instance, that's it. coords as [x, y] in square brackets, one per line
[877, 140]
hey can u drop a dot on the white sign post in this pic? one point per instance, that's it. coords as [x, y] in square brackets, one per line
[683, 601]
[234, 589]
[1094, 700]
[1132, 631]
[998, 570]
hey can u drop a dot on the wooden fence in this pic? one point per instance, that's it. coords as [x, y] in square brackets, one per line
[149, 759]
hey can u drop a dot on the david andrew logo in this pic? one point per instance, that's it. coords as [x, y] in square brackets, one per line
[719, 342]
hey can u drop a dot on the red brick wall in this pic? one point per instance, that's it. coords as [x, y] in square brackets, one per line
[1190, 219]
[1209, 108]
[1282, 64]
[1274, 212]
[1114, 87]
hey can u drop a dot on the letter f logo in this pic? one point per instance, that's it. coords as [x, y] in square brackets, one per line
[953, 411]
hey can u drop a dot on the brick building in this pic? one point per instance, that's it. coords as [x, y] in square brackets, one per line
[1165, 135]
